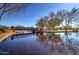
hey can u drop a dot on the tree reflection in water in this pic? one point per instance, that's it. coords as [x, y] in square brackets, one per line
[18, 36]
[70, 46]
[58, 45]
[55, 43]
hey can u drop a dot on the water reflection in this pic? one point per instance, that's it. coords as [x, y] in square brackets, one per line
[69, 46]
[44, 43]
[18, 36]
[58, 44]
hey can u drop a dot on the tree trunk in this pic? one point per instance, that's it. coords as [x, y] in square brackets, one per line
[53, 27]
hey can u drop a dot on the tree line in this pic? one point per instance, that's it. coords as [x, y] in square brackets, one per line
[61, 17]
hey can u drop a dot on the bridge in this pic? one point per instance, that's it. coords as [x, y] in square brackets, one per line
[22, 30]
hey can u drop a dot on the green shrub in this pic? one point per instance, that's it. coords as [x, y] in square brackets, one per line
[3, 30]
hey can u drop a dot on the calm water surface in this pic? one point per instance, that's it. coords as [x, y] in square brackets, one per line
[41, 44]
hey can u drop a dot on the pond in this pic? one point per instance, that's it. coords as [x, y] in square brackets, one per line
[41, 44]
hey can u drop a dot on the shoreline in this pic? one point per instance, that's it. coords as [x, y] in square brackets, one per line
[3, 36]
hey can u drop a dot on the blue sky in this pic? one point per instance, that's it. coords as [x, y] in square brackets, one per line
[33, 12]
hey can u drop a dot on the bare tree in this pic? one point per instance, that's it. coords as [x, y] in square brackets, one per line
[10, 8]
[68, 16]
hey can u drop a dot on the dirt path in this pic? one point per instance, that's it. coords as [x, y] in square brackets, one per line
[3, 36]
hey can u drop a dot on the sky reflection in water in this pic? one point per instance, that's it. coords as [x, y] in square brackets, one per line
[42, 44]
